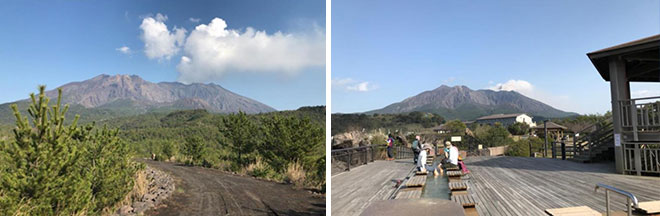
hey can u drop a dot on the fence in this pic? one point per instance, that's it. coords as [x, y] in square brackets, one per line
[641, 157]
[345, 159]
[560, 149]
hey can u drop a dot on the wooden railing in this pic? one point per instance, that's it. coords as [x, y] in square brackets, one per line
[357, 156]
[639, 116]
[641, 157]
[593, 137]
[352, 157]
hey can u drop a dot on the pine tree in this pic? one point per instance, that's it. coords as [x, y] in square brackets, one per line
[241, 132]
[195, 149]
[291, 139]
[50, 168]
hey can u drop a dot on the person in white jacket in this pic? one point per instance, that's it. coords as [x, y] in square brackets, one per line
[453, 153]
[421, 159]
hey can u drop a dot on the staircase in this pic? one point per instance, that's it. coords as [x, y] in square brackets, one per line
[597, 145]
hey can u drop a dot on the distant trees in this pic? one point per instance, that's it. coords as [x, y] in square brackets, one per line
[288, 140]
[521, 147]
[493, 136]
[347, 122]
[50, 168]
[241, 134]
[518, 128]
[194, 149]
[455, 127]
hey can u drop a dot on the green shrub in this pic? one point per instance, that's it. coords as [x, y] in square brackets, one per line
[59, 169]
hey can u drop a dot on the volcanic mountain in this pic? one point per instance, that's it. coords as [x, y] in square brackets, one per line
[108, 96]
[461, 102]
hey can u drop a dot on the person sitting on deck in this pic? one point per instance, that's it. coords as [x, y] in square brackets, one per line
[416, 148]
[421, 160]
[451, 157]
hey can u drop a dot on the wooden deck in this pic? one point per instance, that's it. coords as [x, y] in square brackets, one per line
[528, 186]
[355, 190]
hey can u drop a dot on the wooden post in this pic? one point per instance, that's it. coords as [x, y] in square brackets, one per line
[545, 134]
[563, 150]
[620, 90]
[349, 160]
[373, 153]
[574, 146]
[638, 159]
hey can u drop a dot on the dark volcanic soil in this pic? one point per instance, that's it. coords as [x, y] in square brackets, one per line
[201, 191]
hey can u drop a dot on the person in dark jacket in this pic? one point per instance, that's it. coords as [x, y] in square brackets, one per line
[390, 145]
[416, 148]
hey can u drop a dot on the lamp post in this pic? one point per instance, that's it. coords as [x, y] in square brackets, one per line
[545, 134]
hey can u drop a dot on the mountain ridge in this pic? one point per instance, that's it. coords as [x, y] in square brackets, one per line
[120, 95]
[461, 102]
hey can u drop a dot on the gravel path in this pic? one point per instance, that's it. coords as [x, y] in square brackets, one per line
[202, 191]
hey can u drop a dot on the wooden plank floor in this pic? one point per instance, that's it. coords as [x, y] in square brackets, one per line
[353, 191]
[528, 186]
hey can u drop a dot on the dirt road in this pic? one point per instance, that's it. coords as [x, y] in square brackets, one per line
[202, 191]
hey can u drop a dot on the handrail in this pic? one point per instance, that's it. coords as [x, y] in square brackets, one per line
[352, 148]
[643, 98]
[631, 198]
[607, 122]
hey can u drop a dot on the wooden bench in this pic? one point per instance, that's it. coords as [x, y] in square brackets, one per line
[454, 168]
[416, 181]
[454, 173]
[465, 200]
[573, 211]
[458, 186]
[409, 193]
[650, 207]
[421, 173]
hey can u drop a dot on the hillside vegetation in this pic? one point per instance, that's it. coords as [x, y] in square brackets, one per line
[392, 122]
[51, 165]
[282, 146]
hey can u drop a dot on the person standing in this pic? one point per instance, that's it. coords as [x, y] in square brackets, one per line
[416, 148]
[390, 145]
[421, 162]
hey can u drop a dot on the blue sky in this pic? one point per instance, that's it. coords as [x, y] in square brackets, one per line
[56, 42]
[386, 51]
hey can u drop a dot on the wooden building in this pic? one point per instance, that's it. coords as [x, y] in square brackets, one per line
[556, 131]
[506, 119]
[636, 121]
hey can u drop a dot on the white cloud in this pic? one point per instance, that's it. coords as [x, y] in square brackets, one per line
[521, 86]
[212, 50]
[349, 84]
[159, 42]
[124, 50]
[194, 20]
[562, 102]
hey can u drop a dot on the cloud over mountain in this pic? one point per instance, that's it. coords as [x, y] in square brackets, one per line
[213, 50]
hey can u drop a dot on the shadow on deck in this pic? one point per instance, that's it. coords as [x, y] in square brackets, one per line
[528, 186]
[353, 191]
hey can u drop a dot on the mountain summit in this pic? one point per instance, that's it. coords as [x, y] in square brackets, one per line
[461, 102]
[132, 92]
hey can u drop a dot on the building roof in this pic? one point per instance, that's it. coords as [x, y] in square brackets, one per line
[439, 127]
[500, 116]
[551, 125]
[642, 58]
